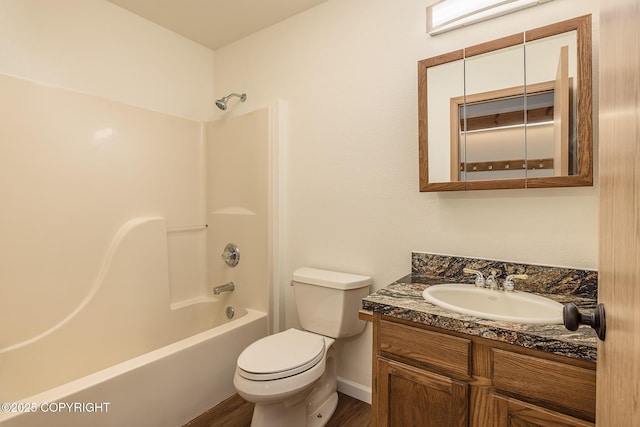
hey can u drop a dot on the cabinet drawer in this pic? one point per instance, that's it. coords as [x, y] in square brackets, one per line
[444, 352]
[512, 412]
[558, 384]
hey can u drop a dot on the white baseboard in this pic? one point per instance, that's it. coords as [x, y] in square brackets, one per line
[355, 390]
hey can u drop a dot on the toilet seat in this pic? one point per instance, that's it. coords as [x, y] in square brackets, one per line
[281, 355]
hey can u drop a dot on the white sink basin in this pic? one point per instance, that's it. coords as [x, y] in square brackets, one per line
[518, 307]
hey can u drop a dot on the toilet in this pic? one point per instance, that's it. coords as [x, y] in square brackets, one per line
[291, 376]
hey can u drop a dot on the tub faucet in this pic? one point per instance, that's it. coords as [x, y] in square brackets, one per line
[227, 287]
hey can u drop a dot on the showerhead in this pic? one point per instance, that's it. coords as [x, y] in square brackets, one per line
[222, 102]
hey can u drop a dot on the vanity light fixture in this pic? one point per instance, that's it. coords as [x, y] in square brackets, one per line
[447, 15]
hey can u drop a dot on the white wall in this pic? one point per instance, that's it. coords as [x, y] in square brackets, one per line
[348, 70]
[95, 47]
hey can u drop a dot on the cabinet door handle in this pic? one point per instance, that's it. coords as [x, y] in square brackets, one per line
[572, 318]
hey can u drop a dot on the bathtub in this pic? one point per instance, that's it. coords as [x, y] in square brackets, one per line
[165, 387]
[128, 354]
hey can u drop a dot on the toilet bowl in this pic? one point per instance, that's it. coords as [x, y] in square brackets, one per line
[291, 376]
[282, 372]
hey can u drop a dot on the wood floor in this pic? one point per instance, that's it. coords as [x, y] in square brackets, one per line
[236, 412]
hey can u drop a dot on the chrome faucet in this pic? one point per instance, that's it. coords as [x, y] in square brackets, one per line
[508, 282]
[227, 287]
[492, 282]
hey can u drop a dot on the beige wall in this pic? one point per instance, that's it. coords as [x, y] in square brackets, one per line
[95, 47]
[347, 69]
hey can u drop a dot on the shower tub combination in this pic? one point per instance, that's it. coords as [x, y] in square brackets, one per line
[106, 364]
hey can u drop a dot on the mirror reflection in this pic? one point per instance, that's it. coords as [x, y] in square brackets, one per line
[511, 113]
[491, 131]
[451, 74]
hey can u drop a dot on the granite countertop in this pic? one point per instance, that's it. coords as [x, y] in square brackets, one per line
[403, 300]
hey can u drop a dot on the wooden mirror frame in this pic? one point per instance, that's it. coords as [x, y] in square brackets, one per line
[584, 113]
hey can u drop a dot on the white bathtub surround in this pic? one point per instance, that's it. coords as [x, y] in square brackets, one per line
[126, 313]
[76, 169]
[238, 206]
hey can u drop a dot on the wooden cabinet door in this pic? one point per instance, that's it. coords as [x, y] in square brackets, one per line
[408, 397]
[514, 413]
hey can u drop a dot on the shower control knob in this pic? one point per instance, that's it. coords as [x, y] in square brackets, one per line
[572, 318]
[231, 255]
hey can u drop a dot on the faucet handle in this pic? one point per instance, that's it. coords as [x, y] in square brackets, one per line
[508, 285]
[479, 277]
[231, 254]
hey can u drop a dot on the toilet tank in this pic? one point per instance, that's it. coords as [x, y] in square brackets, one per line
[328, 301]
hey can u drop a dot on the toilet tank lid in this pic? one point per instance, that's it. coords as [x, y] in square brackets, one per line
[330, 279]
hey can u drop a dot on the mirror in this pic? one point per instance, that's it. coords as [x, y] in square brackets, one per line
[511, 113]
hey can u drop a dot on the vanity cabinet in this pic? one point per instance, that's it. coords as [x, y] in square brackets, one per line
[425, 376]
